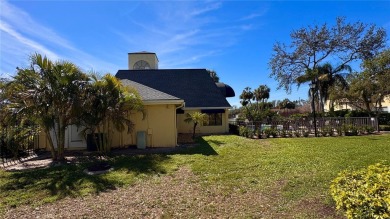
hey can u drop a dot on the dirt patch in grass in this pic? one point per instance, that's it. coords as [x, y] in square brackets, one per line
[178, 195]
[315, 208]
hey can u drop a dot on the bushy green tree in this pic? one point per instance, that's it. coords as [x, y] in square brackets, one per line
[368, 89]
[286, 104]
[310, 46]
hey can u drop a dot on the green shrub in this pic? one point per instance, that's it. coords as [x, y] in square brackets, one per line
[370, 129]
[284, 133]
[364, 193]
[274, 132]
[384, 127]
[268, 132]
[353, 131]
[350, 130]
[367, 129]
[242, 130]
[245, 132]
[357, 113]
[384, 119]
[338, 113]
[271, 131]
[326, 131]
[339, 130]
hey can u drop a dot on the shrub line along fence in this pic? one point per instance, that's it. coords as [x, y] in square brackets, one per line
[326, 126]
[15, 148]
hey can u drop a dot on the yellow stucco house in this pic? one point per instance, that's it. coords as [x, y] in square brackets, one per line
[168, 95]
[345, 104]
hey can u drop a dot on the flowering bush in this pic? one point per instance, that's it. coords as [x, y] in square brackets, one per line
[364, 193]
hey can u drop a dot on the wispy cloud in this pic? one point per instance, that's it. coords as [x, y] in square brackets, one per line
[261, 12]
[7, 29]
[22, 36]
[250, 17]
[183, 33]
[207, 8]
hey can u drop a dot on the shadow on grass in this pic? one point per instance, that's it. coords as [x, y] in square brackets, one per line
[203, 147]
[69, 180]
[141, 164]
[61, 181]
[216, 142]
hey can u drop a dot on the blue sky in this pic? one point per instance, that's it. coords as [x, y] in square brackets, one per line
[234, 38]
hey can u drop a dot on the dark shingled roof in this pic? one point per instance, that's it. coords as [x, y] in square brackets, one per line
[226, 90]
[148, 93]
[194, 86]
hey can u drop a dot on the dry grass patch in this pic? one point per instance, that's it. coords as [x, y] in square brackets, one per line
[177, 195]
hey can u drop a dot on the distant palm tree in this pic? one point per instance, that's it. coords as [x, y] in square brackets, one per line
[261, 94]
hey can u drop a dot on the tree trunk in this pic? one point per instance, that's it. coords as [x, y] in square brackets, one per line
[61, 139]
[52, 149]
[193, 133]
[100, 140]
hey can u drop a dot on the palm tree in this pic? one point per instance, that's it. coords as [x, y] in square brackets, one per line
[330, 77]
[325, 77]
[246, 96]
[261, 94]
[49, 92]
[196, 118]
[106, 104]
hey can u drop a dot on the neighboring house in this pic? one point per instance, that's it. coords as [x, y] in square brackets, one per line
[168, 95]
[345, 104]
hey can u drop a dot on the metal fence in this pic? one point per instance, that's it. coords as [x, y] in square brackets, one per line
[17, 145]
[324, 125]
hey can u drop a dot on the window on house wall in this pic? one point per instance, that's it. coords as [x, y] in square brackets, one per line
[213, 119]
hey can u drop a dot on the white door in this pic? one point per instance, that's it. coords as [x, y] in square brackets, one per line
[74, 138]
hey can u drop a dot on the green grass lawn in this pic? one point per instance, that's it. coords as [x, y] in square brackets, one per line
[294, 173]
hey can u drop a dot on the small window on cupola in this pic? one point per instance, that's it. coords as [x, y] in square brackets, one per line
[141, 64]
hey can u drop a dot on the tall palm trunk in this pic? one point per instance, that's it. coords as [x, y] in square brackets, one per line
[194, 130]
[60, 129]
[50, 140]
